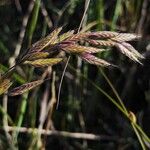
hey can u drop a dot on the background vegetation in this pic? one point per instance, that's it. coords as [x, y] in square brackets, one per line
[86, 117]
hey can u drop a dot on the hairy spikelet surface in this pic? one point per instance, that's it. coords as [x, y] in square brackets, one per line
[36, 55]
[50, 39]
[132, 50]
[73, 48]
[4, 85]
[128, 53]
[101, 42]
[103, 34]
[44, 62]
[77, 37]
[64, 36]
[94, 60]
[122, 37]
[24, 88]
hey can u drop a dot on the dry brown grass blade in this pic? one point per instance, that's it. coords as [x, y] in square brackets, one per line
[94, 60]
[24, 88]
[44, 62]
[4, 85]
[73, 48]
[50, 39]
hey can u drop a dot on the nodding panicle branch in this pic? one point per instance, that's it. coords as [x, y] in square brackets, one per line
[42, 53]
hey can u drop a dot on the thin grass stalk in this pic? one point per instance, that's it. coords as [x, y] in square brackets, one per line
[79, 60]
[34, 19]
[61, 12]
[109, 97]
[138, 136]
[44, 29]
[30, 32]
[51, 104]
[102, 91]
[88, 26]
[116, 14]
[143, 133]
[74, 135]
[115, 103]
[21, 116]
[33, 144]
[3, 112]
[47, 19]
[33, 102]
[25, 20]
[123, 106]
[87, 2]
[43, 111]
[114, 90]
[17, 77]
[47, 110]
[61, 80]
[5, 119]
[5, 124]
[100, 8]
[33, 107]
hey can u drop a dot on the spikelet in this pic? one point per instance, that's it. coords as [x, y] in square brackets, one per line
[122, 37]
[44, 62]
[77, 37]
[4, 85]
[50, 39]
[103, 34]
[72, 48]
[36, 55]
[101, 42]
[24, 88]
[64, 36]
[88, 26]
[94, 60]
[132, 49]
[128, 53]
